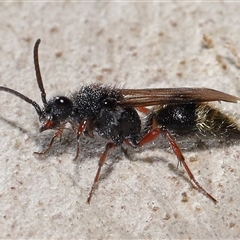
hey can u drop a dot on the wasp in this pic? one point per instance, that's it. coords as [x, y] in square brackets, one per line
[116, 115]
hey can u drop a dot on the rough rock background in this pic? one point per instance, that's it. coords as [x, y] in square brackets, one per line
[135, 45]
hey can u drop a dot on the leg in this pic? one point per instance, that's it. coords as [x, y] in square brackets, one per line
[153, 134]
[86, 127]
[56, 135]
[102, 160]
[81, 128]
[144, 110]
[181, 159]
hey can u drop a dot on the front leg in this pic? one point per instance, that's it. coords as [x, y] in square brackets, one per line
[56, 135]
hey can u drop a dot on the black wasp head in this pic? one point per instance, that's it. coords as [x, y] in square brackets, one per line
[55, 112]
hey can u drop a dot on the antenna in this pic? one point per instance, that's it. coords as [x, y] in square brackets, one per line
[39, 80]
[23, 97]
[38, 72]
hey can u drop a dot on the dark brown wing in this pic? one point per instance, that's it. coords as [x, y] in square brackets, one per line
[158, 96]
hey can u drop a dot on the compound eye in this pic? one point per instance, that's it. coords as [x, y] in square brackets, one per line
[62, 103]
[109, 103]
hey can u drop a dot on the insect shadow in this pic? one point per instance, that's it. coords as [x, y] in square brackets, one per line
[116, 116]
[13, 124]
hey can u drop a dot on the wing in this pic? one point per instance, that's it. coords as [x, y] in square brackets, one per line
[158, 96]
